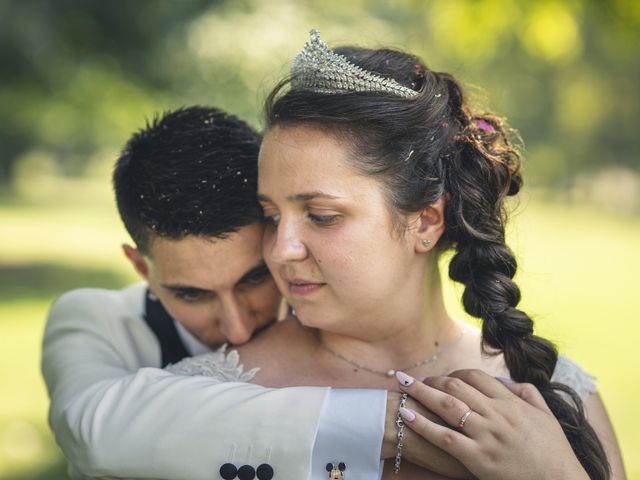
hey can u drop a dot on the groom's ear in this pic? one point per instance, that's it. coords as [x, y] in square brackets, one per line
[137, 260]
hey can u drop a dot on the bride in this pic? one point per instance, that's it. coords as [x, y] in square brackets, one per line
[372, 166]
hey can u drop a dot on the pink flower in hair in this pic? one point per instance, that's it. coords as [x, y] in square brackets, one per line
[484, 126]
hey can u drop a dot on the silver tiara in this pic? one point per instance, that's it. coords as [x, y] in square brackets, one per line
[318, 69]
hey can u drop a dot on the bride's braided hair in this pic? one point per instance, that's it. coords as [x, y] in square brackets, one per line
[431, 145]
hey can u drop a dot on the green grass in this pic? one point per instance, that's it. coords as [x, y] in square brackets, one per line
[27, 447]
[46, 250]
[578, 273]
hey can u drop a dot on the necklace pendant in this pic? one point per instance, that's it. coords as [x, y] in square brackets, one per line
[391, 373]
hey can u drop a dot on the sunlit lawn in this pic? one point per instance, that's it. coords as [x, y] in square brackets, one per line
[578, 274]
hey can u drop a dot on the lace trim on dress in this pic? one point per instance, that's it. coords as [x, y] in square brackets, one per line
[219, 365]
[572, 375]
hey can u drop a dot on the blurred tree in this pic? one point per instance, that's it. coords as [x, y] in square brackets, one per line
[79, 76]
[73, 73]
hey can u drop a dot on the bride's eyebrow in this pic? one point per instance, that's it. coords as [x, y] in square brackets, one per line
[302, 197]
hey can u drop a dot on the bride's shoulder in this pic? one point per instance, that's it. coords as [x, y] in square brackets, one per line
[282, 331]
[470, 353]
[224, 364]
[286, 337]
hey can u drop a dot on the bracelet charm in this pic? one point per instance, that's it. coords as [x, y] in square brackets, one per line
[400, 425]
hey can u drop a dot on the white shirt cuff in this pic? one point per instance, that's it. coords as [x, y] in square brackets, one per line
[350, 431]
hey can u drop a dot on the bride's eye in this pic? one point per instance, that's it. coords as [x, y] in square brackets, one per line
[323, 220]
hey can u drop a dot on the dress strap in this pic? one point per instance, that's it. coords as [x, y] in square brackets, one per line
[572, 375]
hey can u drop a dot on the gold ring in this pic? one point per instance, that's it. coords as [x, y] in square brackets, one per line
[463, 419]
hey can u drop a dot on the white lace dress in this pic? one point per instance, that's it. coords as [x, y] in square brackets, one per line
[226, 367]
[220, 365]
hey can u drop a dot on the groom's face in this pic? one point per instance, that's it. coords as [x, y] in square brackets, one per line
[219, 289]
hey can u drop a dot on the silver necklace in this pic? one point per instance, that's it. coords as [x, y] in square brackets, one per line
[392, 372]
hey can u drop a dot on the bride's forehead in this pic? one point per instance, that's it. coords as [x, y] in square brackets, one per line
[294, 142]
[295, 160]
[303, 152]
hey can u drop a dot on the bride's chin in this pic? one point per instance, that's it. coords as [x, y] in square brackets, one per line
[306, 318]
[315, 323]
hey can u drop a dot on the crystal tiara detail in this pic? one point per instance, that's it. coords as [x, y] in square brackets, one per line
[318, 69]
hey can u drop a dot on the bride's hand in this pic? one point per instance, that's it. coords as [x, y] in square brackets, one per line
[497, 432]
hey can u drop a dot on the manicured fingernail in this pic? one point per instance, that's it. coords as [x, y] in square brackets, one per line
[505, 380]
[421, 379]
[407, 414]
[404, 379]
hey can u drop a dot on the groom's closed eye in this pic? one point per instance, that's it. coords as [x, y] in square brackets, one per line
[191, 294]
[255, 276]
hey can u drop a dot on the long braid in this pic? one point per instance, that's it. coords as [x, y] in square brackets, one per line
[486, 266]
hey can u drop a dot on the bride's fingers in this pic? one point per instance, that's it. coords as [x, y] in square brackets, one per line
[500, 388]
[454, 443]
[452, 410]
[530, 394]
[482, 382]
[461, 391]
[495, 387]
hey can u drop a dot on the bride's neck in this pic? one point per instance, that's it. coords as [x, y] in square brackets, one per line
[408, 331]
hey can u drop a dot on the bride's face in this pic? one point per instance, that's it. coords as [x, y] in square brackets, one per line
[330, 241]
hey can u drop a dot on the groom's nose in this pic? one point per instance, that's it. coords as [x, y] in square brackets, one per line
[236, 321]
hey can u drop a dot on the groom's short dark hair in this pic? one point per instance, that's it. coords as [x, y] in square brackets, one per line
[192, 171]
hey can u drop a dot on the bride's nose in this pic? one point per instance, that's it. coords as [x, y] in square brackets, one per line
[285, 243]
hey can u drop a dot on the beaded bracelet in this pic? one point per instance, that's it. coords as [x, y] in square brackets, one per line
[400, 425]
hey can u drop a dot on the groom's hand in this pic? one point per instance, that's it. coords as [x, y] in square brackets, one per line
[416, 449]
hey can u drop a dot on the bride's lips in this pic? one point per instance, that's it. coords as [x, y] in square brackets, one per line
[299, 286]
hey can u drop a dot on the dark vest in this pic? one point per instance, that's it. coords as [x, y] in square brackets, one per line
[172, 348]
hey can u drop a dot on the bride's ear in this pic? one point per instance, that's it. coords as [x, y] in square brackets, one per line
[430, 225]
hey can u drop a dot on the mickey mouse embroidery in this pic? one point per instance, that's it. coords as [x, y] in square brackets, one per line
[336, 473]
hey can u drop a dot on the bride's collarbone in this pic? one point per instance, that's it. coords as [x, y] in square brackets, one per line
[288, 354]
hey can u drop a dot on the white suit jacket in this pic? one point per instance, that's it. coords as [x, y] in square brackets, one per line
[114, 413]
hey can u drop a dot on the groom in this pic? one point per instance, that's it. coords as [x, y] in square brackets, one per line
[185, 188]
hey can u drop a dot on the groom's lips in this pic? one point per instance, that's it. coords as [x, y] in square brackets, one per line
[302, 287]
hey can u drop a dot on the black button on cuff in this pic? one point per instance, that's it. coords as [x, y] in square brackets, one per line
[228, 471]
[246, 472]
[264, 472]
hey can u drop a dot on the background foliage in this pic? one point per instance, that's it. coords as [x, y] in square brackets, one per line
[77, 77]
